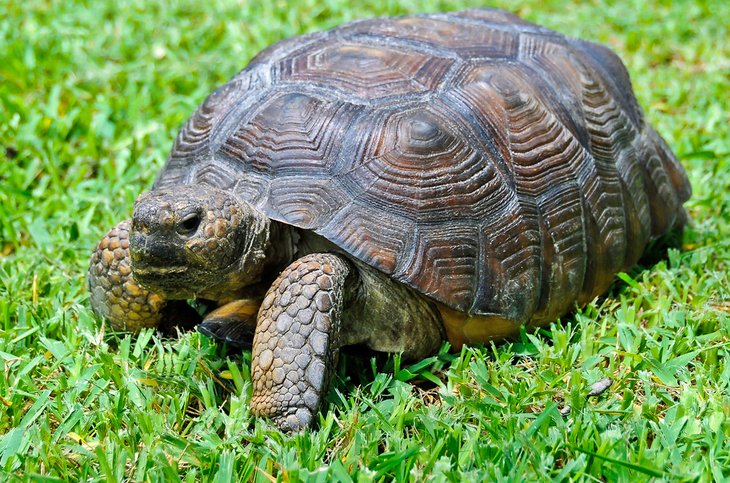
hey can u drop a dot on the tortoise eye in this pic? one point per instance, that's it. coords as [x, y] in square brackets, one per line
[189, 224]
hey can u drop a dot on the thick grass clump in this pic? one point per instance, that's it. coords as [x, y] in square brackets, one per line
[91, 96]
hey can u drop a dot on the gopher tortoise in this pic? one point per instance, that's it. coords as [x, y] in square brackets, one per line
[393, 183]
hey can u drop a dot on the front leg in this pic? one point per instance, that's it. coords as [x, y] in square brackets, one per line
[297, 340]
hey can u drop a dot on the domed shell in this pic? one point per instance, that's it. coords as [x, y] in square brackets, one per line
[494, 165]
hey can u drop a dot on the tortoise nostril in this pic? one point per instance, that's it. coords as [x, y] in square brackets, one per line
[139, 226]
[189, 224]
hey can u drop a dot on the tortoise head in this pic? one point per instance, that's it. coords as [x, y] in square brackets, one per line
[196, 240]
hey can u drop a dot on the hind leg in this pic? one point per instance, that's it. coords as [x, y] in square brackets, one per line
[233, 323]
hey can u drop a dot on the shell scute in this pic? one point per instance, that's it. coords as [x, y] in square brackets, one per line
[366, 71]
[450, 38]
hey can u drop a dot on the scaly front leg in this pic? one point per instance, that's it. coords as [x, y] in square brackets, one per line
[297, 340]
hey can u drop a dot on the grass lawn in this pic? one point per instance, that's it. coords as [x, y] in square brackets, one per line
[91, 97]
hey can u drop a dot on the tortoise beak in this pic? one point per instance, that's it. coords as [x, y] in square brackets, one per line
[150, 252]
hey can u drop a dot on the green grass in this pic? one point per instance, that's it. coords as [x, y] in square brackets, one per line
[91, 96]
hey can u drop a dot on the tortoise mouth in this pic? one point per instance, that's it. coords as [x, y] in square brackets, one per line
[146, 270]
[174, 282]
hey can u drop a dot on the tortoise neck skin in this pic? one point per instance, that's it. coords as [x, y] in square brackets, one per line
[197, 241]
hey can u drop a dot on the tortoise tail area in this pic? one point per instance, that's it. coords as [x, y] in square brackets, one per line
[667, 184]
[665, 181]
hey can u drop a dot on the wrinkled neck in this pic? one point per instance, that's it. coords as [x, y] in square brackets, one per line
[273, 246]
[282, 247]
[256, 237]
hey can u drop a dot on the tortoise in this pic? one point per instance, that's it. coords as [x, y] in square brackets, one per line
[394, 183]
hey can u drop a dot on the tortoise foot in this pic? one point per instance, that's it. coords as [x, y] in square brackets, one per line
[233, 323]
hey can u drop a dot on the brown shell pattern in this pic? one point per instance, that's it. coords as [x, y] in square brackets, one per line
[494, 165]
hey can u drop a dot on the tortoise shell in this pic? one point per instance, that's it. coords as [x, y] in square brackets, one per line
[496, 166]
